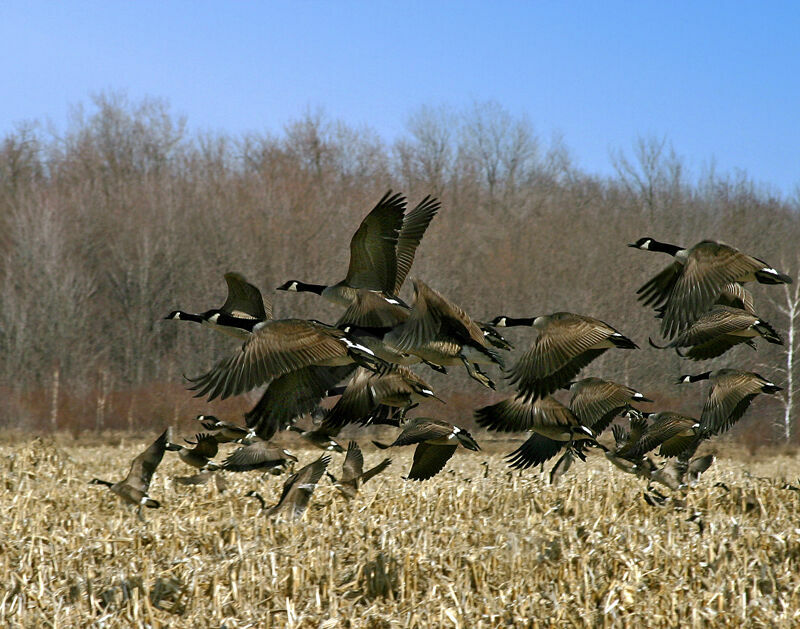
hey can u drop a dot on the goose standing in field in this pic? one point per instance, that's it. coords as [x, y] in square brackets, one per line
[258, 455]
[690, 285]
[353, 474]
[730, 396]
[381, 251]
[566, 344]
[134, 487]
[243, 309]
[297, 489]
[718, 330]
[436, 441]
[440, 332]
[205, 448]
[398, 388]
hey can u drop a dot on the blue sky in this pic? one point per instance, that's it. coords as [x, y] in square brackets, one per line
[721, 80]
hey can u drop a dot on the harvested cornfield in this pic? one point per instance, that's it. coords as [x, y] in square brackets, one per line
[476, 546]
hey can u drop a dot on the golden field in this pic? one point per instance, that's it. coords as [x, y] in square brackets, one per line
[476, 546]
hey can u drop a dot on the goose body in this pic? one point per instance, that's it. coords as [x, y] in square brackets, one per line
[297, 489]
[694, 282]
[134, 488]
[205, 448]
[718, 330]
[436, 441]
[381, 251]
[731, 393]
[675, 433]
[243, 309]
[566, 343]
[398, 387]
[553, 425]
[440, 332]
[276, 348]
[353, 474]
[322, 438]
[258, 455]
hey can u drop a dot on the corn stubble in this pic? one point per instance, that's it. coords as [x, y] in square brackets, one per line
[461, 550]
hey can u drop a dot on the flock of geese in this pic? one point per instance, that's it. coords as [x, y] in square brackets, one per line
[699, 298]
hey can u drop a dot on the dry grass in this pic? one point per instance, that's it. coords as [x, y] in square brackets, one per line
[461, 550]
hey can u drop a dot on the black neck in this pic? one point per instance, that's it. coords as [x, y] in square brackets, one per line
[509, 322]
[185, 316]
[227, 320]
[663, 247]
[98, 481]
[302, 287]
[697, 378]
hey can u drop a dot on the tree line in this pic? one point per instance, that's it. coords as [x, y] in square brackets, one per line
[125, 215]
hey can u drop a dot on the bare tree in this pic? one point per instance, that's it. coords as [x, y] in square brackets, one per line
[654, 175]
[501, 148]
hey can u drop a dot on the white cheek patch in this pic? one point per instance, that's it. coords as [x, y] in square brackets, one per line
[351, 345]
[427, 391]
[213, 318]
[770, 270]
[637, 396]
[143, 500]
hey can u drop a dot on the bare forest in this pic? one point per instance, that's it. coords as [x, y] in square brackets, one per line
[108, 225]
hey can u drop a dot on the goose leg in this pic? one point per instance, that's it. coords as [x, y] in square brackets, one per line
[476, 374]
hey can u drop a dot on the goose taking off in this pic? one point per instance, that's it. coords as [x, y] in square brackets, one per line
[353, 474]
[297, 489]
[134, 487]
[693, 283]
[437, 442]
[278, 347]
[730, 396]
[440, 332]
[398, 388]
[243, 309]
[718, 330]
[381, 251]
[566, 343]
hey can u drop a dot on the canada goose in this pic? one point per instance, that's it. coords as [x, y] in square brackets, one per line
[398, 387]
[242, 310]
[297, 489]
[553, 424]
[205, 449]
[675, 433]
[291, 396]
[596, 402]
[440, 332]
[133, 488]
[201, 478]
[353, 474]
[370, 317]
[682, 472]
[224, 431]
[258, 455]
[381, 251]
[275, 348]
[566, 343]
[731, 393]
[719, 329]
[691, 284]
[322, 437]
[437, 442]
